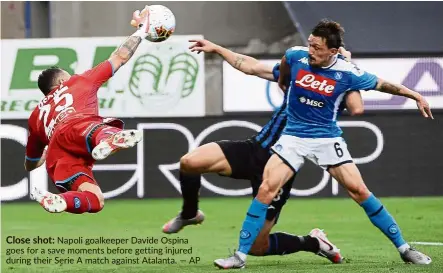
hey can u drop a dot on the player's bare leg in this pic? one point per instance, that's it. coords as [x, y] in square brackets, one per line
[110, 144]
[87, 198]
[262, 244]
[208, 158]
[275, 175]
[349, 176]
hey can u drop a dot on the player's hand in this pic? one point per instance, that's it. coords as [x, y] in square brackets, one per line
[140, 18]
[202, 45]
[424, 108]
[345, 53]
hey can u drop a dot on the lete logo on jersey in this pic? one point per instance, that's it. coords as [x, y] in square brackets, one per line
[315, 83]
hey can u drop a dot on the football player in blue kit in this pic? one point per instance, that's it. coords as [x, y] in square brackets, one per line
[246, 159]
[318, 82]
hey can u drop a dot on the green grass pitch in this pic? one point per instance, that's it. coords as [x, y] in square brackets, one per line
[364, 247]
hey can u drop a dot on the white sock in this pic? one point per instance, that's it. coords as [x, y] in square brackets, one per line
[241, 255]
[403, 248]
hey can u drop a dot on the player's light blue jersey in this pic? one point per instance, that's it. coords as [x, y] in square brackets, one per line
[315, 94]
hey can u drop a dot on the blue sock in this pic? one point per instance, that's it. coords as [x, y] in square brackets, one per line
[255, 219]
[381, 218]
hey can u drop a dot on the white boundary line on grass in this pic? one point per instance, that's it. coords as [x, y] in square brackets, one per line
[427, 243]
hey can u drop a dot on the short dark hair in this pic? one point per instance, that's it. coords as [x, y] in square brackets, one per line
[331, 31]
[47, 79]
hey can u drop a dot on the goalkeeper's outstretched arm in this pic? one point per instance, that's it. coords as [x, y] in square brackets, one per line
[127, 49]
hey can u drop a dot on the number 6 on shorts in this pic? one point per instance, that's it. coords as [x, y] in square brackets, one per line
[338, 150]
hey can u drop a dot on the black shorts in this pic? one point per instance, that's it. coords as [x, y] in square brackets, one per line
[247, 160]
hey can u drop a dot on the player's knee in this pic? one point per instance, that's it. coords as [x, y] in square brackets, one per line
[97, 204]
[101, 203]
[101, 200]
[267, 191]
[188, 164]
[359, 193]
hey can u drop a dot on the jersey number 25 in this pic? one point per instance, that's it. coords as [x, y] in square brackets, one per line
[45, 109]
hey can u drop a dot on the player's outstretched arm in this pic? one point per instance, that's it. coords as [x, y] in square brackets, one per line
[243, 63]
[401, 90]
[127, 49]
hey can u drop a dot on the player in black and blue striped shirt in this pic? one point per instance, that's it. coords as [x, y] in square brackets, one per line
[246, 159]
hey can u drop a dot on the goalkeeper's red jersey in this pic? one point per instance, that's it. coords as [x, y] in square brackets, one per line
[72, 101]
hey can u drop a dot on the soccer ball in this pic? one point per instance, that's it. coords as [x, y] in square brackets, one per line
[162, 23]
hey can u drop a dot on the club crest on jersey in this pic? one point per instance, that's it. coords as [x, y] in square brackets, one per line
[338, 75]
[315, 83]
